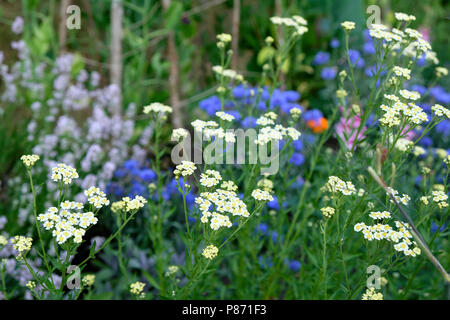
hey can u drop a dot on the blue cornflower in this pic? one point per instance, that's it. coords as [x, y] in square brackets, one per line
[321, 57]
[328, 73]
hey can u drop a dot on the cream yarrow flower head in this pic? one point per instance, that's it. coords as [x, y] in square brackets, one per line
[157, 107]
[336, 184]
[31, 285]
[225, 116]
[371, 294]
[400, 16]
[137, 289]
[348, 25]
[179, 133]
[64, 173]
[210, 252]
[88, 280]
[328, 212]
[67, 222]
[440, 111]
[22, 245]
[261, 195]
[186, 168]
[96, 197]
[29, 160]
[224, 37]
[210, 178]
[3, 240]
[133, 204]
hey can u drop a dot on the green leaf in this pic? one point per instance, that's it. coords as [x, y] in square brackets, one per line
[172, 16]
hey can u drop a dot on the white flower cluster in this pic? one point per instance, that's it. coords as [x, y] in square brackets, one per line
[96, 197]
[402, 72]
[379, 31]
[371, 294]
[210, 178]
[22, 245]
[335, 184]
[410, 95]
[275, 133]
[29, 160]
[229, 186]
[225, 116]
[328, 212]
[64, 173]
[440, 198]
[440, 111]
[404, 199]
[179, 133]
[227, 73]
[133, 204]
[401, 237]
[400, 16]
[137, 289]
[210, 252]
[157, 107]
[68, 221]
[296, 22]
[210, 129]
[410, 112]
[379, 215]
[224, 37]
[213, 205]
[403, 144]
[261, 195]
[186, 168]
[348, 25]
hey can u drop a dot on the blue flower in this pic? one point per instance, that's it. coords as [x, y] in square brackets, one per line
[211, 105]
[297, 159]
[295, 265]
[355, 58]
[368, 48]
[334, 43]
[321, 57]
[298, 145]
[328, 73]
[262, 228]
[426, 142]
[131, 165]
[443, 128]
[120, 173]
[239, 92]
[435, 227]
[274, 205]
[147, 175]
[313, 114]
[265, 262]
[248, 122]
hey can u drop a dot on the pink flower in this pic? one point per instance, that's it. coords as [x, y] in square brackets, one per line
[425, 31]
[347, 129]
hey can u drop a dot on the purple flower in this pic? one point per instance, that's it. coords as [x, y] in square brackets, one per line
[295, 265]
[17, 25]
[328, 73]
[320, 58]
[297, 159]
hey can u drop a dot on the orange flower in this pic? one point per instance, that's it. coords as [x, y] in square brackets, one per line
[318, 126]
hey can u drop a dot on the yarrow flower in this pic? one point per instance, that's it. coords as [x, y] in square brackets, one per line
[229, 186]
[210, 178]
[179, 133]
[31, 285]
[3, 240]
[29, 160]
[297, 22]
[348, 25]
[378, 215]
[157, 107]
[129, 204]
[404, 199]
[67, 222]
[96, 197]
[400, 16]
[266, 185]
[225, 116]
[401, 238]
[440, 198]
[371, 294]
[137, 289]
[440, 111]
[224, 37]
[210, 252]
[335, 184]
[22, 245]
[171, 270]
[328, 212]
[88, 280]
[402, 72]
[64, 173]
[261, 195]
[186, 168]
[410, 95]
